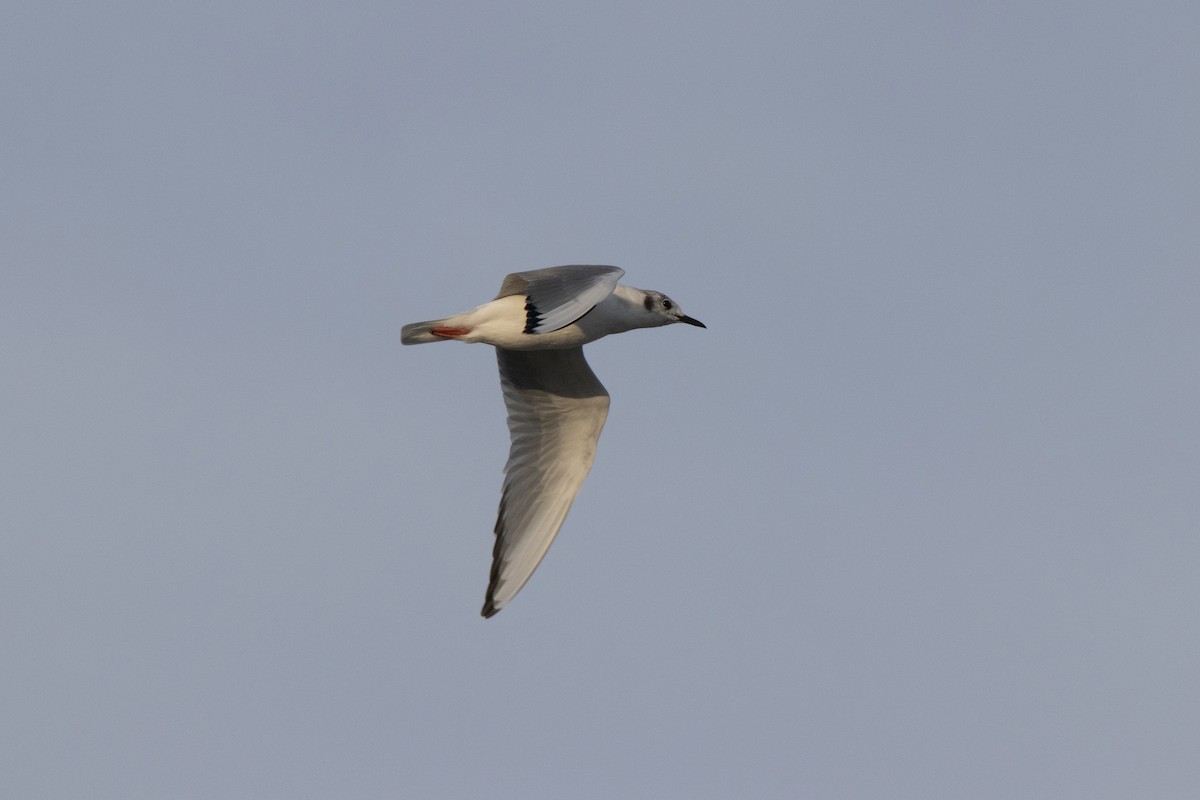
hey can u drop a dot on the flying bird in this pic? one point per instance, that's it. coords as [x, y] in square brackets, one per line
[538, 324]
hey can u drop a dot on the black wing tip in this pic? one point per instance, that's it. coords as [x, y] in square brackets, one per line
[489, 609]
[533, 317]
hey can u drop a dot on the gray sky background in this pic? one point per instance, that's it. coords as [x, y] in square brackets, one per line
[916, 517]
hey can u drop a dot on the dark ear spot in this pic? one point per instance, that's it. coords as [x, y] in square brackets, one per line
[648, 302]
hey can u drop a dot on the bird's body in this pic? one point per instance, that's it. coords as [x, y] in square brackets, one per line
[502, 323]
[538, 324]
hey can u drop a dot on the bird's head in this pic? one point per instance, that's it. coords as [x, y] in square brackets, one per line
[662, 310]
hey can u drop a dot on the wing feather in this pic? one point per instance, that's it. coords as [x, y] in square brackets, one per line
[557, 296]
[556, 410]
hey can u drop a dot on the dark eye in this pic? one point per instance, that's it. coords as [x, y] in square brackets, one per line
[667, 303]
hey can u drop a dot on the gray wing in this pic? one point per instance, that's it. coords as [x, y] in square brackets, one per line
[556, 408]
[557, 296]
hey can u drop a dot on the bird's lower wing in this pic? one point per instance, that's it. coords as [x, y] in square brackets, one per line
[556, 409]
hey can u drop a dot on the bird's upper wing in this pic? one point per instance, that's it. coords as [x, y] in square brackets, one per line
[556, 408]
[558, 296]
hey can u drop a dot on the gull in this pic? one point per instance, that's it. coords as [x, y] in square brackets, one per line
[538, 324]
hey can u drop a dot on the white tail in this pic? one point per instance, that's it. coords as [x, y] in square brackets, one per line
[421, 332]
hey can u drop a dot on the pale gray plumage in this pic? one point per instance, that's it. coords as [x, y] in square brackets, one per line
[558, 298]
[556, 409]
[538, 324]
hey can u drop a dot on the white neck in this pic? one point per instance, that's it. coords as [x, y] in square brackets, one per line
[623, 310]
